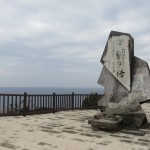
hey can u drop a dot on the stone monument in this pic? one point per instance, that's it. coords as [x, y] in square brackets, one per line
[126, 82]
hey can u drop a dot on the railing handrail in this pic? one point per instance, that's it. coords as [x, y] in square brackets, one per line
[6, 94]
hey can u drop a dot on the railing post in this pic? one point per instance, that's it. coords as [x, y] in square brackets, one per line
[24, 104]
[72, 97]
[54, 102]
[96, 100]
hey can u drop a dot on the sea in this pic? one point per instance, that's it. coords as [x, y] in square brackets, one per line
[51, 90]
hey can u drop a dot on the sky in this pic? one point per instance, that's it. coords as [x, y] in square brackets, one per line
[59, 43]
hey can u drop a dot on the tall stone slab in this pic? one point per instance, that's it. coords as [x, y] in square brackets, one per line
[117, 57]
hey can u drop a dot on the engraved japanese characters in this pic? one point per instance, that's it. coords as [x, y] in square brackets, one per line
[116, 59]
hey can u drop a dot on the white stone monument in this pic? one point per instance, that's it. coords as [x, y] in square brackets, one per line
[125, 78]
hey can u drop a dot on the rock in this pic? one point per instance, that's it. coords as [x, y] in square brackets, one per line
[114, 88]
[108, 124]
[134, 120]
[126, 81]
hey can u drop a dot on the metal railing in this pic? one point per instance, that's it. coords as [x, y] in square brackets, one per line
[28, 104]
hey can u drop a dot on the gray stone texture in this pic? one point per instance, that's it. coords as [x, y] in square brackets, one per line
[115, 92]
[141, 78]
[117, 57]
[118, 97]
[105, 124]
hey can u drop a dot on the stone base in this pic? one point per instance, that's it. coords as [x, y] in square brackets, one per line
[132, 113]
[134, 120]
[107, 124]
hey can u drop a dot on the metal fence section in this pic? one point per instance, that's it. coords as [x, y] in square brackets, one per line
[28, 104]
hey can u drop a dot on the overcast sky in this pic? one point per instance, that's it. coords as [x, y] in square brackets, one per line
[59, 43]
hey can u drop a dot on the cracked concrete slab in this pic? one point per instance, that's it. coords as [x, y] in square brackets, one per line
[67, 130]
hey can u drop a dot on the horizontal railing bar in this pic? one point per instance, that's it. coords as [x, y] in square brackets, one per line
[4, 94]
[1, 94]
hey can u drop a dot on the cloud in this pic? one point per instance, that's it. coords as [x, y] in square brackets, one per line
[38, 39]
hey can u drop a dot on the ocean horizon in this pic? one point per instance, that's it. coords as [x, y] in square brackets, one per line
[51, 90]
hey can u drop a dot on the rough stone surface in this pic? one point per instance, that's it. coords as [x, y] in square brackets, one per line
[115, 92]
[134, 120]
[125, 78]
[105, 124]
[141, 78]
[116, 58]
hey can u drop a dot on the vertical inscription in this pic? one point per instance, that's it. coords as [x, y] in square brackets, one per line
[116, 59]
